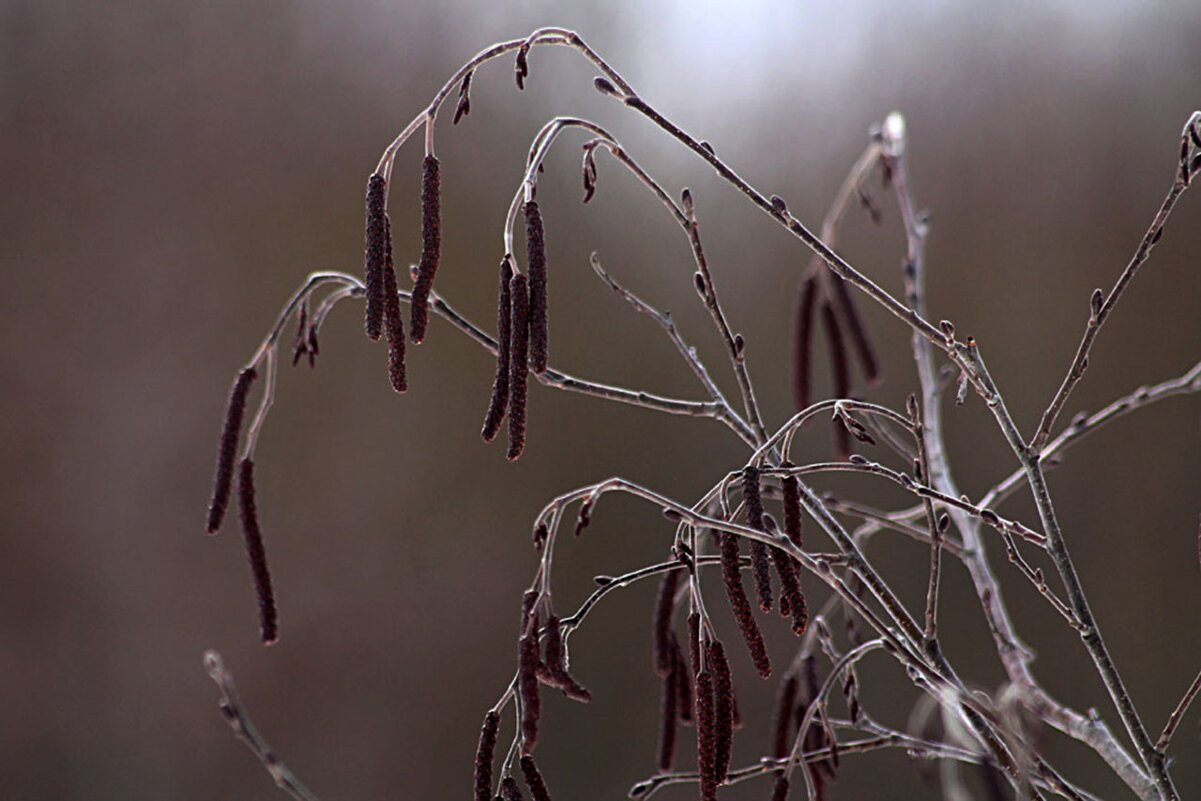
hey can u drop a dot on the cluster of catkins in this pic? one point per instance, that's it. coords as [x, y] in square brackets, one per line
[521, 313]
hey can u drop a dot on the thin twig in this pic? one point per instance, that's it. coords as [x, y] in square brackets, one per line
[1165, 739]
[237, 718]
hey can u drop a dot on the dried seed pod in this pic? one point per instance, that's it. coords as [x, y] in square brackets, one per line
[668, 721]
[375, 247]
[431, 247]
[500, 385]
[706, 736]
[731, 573]
[227, 448]
[783, 718]
[661, 636]
[533, 779]
[483, 756]
[723, 707]
[535, 241]
[256, 554]
[394, 328]
[519, 344]
[802, 344]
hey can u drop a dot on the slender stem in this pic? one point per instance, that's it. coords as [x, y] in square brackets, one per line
[1099, 316]
[237, 718]
[1165, 739]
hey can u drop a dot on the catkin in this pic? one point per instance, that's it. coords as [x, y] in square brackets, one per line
[518, 364]
[393, 323]
[723, 709]
[741, 606]
[533, 779]
[227, 449]
[375, 248]
[802, 344]
[841, 373]
[706, 736]
[256, 554]
[665, 605]
[431, 246]
[500, 385]
[483, 756]
[535, 239]
[668, 720]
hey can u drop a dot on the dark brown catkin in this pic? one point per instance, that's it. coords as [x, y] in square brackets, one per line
[375, 248]
[394, 328]
[518, 363]
[723, 709]
[227, 448]
[483, 756]
[760, 562]
[706, 758]
[431, 246]
[509, 791]
[665, 606]
[535, 242]
[741, 606]
[852, 321]
[683, 682]
[802, 344]
[556, 664]
[841, 374]
[533, 779]
[782, 719]
[499, 403]
[668, 720]
[256, 554]
[793, 525]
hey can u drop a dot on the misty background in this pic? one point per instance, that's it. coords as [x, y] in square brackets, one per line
[172, 172]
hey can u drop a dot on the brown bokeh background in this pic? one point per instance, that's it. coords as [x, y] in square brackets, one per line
[172, 171]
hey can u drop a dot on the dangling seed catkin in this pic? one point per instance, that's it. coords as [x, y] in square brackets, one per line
[256, 554]
[802, 344]
[760, 562]
[661, 625]
[431, 246]
[723, 708]
[227, 448]
[533, 779]
[668, 721]
[535, 240]
[741, 606]
[375, 253]
[483, 756]
[706, 736]
[394, 328]
[500, 385]
[518, 364]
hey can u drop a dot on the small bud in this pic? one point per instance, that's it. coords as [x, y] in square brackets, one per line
[948, 330]
[686, 199]
[463, 107]
[1094, 304]
[1156, 236]
[739, 346]
[521, 68]
[698, 281]
[604, 87]
[709, 148]
[778, 204]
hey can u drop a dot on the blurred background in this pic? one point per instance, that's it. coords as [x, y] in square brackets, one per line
[171, 173]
